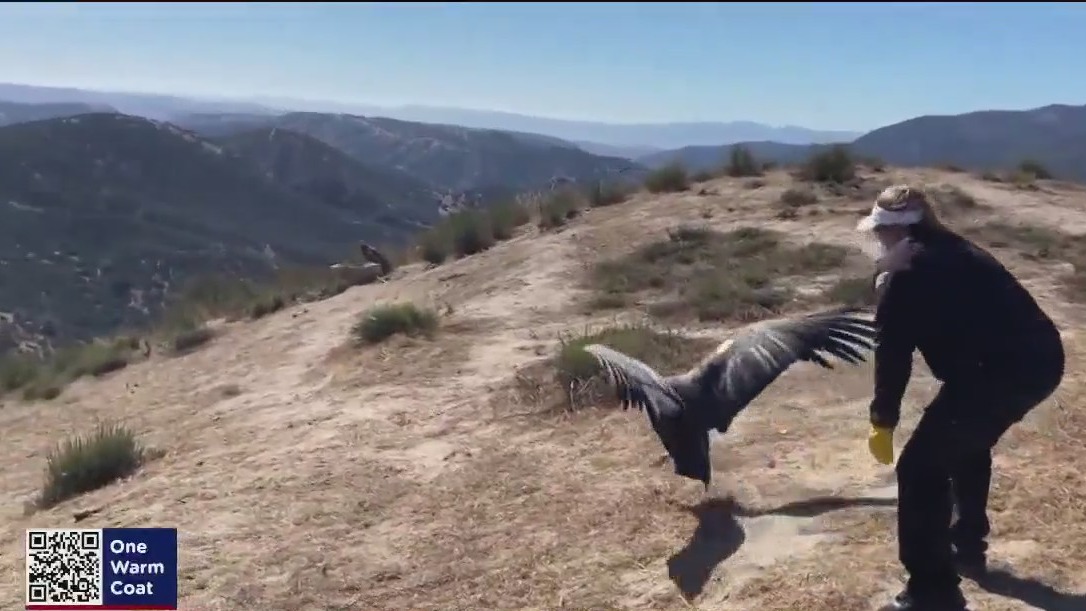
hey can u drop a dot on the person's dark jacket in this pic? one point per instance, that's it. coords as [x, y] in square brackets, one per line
[967, 314]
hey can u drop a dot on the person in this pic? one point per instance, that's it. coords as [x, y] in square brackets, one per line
[997, 354]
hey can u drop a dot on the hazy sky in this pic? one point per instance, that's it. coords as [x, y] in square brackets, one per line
[820, 65]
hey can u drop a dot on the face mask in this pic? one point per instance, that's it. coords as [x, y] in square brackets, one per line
[899, 257]
[870, 246]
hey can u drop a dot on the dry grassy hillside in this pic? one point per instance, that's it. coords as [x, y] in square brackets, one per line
[449, 473]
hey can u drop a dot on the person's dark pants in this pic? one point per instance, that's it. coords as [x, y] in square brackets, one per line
[948, 462]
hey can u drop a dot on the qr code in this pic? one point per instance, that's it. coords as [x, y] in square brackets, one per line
[63, 566]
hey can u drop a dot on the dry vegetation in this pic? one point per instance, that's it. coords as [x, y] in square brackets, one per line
[303, 479]
[743, 274]
[382, 322]
[579, 375]
[87, 462]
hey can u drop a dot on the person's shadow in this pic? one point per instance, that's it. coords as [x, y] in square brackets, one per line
[719, 534]
[1030, 591]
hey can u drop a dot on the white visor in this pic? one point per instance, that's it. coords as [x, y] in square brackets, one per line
[881, 216]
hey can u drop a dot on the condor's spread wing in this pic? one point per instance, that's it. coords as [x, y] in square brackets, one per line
[761, 352]
[637, 384]
[686, 440]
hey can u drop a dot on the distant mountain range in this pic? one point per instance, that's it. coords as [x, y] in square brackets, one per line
[630, 139]
[152, 106]
[626, 135]
[109, 201]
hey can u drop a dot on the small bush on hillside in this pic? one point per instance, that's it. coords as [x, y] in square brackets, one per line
[266, 305]
[1034, 169]
[580, 377]
[741, 162]
[558, 209]
[187, 340]
[465, 233]
[797, 198]
[833, 165]
[44, 389]
[506, 218]
[45, 378]
[213, 296]
[471, 232]
[604, 194]
[84, 463]
[210, 296]
[1024, 180]
[951, 200]
[435, 246]
[17, 370]
[702, 176]
[382, 322]
[668, 179]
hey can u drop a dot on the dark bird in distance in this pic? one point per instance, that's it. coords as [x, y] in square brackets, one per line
[683, 408]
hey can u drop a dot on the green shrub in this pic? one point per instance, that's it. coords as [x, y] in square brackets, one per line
[1035, 169]
[84, 463]
[671, 178]
[45, 378]
[832, 165]
[741, 162]
[797, 198]
[382, 322]
[506, 218]
[603, 194]
[187, 340]
[558, 209]
[471, 232]
[435, 246]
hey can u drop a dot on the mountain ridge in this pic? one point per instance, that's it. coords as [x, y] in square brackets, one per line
[986, 140]
[628, 135]
[103, 214]
[12, 113]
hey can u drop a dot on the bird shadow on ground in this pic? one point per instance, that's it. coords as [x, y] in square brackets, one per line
[719, 535]
[1030, 591]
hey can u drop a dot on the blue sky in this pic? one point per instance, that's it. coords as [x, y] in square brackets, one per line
[820, 65]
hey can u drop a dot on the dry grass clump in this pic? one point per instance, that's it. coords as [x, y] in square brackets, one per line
[580, 377]
[671, 178]
[45, 378]
[1044, 244]
[852, 290]
[709, 275]
[87, 462]
[382, 322]
[834, 164]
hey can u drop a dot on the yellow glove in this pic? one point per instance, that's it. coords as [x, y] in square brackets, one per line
[881, 444]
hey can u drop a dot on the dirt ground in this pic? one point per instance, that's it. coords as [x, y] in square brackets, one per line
[305, 475]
